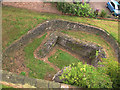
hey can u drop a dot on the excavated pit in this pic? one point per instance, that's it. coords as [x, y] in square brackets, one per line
[87, 51]
[90, 53]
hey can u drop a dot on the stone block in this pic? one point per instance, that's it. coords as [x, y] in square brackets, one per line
[54, 85]
[17, 79]
[42, 83]
[30, 81]
[6, 76]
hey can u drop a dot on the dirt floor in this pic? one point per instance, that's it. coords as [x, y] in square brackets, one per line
[35, 6]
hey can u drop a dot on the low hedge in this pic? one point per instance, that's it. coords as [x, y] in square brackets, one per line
[76, 9]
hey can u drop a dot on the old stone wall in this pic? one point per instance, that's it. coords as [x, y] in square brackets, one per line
[54, 25]
[84, 49]
[48, 45]
[87, 51]
[36, 83]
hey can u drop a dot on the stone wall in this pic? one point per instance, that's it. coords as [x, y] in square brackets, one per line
[60, 24]
[36, 83]
[84, 49]
[87, 51]
[48, 45]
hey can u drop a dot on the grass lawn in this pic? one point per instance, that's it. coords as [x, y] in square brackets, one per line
[16, 22]
[38, 69]
[62, 59]
[94, 39]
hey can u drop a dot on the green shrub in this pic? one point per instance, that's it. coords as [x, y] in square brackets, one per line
[103, 14]
[85, 76]
[76, 9]
[111, 68]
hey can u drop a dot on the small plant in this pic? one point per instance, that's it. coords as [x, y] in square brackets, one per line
[23, 73]
[103, 14]
[97, 34]
[97, 53]
[108, 16]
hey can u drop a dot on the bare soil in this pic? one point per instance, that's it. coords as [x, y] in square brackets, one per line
[35, 6]
[19, 65]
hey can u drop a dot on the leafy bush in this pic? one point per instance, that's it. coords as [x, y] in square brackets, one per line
[76, 9]
[103, 14]
[85, 76]
[111, 68]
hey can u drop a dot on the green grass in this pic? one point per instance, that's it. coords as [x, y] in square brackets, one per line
[16, 22]
[38, 68]
[4, 86]
[94, 39]
[62, 59]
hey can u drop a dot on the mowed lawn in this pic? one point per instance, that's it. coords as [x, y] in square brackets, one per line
[16, 22]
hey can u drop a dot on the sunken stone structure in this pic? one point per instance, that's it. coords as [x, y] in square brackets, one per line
[85, 50]
[60, 24]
